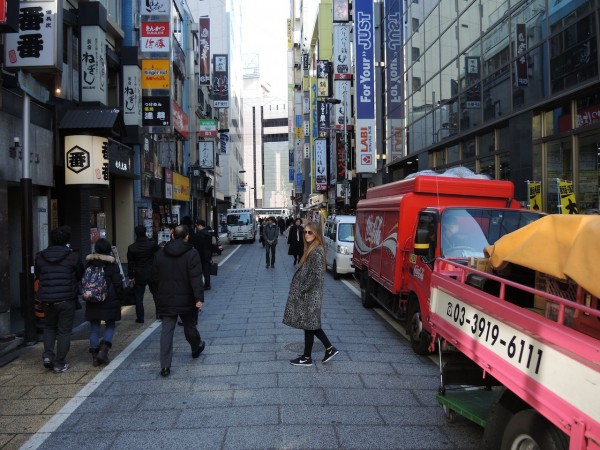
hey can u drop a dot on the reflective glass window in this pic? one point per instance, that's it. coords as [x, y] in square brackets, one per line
[531, 19]
[529, 80]
[496, 95]
[468, 26]
[431, 27]
[487, 144]
[487, 166]
[589, 171]
[447, 13]
[453, 154]
[432, 62]
[448, 46]
[492, 12]
[496, 49]
[559, 167]
[588, 111]
[558, 119]
[449, 82]
[536, 126]
[565, 13]
[504, 166]
[468, 149]
[574, 55]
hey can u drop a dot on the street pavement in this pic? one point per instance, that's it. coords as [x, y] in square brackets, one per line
[241, 393]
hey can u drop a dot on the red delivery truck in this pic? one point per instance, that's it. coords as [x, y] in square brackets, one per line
[451, 217]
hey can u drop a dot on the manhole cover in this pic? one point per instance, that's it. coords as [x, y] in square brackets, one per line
[298, 347]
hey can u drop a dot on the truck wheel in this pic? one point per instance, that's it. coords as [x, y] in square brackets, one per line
[365, 296]
[414, 328]
[336, 275]
[528, 429]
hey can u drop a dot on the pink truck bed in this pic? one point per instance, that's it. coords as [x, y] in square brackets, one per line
[552, 367]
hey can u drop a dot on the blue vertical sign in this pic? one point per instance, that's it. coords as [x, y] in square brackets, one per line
[394, 39]
[365, 86]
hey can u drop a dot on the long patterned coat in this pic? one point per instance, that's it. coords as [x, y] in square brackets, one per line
[303, 308]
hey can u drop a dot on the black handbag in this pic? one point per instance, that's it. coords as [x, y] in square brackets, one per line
[214, 268]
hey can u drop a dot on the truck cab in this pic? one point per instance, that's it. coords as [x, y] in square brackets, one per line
[339, 241]
[241, 225]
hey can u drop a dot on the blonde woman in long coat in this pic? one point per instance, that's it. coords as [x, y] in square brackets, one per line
[303, 308]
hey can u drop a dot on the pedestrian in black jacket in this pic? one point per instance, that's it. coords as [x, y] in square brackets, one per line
[177, 272]
[202, 241]
[108, 310]
[140, 256]
[59, 271]
[296, 240]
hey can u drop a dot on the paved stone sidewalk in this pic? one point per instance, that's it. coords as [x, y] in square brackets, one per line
[242, 393]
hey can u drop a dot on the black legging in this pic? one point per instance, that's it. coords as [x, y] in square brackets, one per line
[309, 339]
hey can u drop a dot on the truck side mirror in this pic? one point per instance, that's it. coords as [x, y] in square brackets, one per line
[422, 242]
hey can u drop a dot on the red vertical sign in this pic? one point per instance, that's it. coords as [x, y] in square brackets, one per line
[2, 11]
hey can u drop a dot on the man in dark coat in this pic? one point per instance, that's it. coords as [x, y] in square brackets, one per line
[202, 241]
[177, 272]
[270, 235]
[140, 256]
[59, 271]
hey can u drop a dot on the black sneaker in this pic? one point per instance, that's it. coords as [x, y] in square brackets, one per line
[48, 363]
[329, 353]
[302, 361]
[61, 369]
[165, 372]
[196, 353]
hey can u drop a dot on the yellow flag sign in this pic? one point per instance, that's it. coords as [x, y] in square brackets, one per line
[535, 196]
[567, 197]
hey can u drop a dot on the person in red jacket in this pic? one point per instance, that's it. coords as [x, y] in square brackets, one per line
[177, 274]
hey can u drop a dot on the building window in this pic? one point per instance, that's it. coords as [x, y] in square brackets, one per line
[415, 24]
[416, 53]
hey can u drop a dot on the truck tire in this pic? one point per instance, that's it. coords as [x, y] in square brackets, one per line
[336, 275]
[528, 429]
[365, 295]
[414, 328]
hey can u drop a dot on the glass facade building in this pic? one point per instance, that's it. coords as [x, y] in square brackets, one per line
[506, 88]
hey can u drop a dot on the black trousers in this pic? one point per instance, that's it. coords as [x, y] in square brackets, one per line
[206, 273]
[309, 339]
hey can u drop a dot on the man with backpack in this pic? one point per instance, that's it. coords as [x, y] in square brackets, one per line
[59, 271]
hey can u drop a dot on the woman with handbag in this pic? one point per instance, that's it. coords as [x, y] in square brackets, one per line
[303, 308]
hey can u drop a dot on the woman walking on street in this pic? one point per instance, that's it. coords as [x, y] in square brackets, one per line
[108, 310]
[296, 240]
[303, 308]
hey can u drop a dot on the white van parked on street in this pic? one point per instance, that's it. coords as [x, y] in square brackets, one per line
[339, 240]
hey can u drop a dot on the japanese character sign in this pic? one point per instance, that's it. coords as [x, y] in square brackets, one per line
[34, 44]
[86, 160]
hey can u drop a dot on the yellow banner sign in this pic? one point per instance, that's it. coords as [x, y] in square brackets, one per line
[535, 196]
[568, 205]
[181, 187]
[156, 74]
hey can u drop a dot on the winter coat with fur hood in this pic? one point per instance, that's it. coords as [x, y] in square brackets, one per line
[109, 309]
[303, 308]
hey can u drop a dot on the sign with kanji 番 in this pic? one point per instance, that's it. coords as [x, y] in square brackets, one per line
[35, 42]
[86, 160]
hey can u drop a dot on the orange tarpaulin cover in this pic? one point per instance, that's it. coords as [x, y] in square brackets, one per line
[564, 246]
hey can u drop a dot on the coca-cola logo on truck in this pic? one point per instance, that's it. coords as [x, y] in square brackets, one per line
[373, 229]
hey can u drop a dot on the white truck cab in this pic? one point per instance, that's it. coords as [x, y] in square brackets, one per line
[339, 240]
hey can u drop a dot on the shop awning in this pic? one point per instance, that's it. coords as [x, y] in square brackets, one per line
[94, 118]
